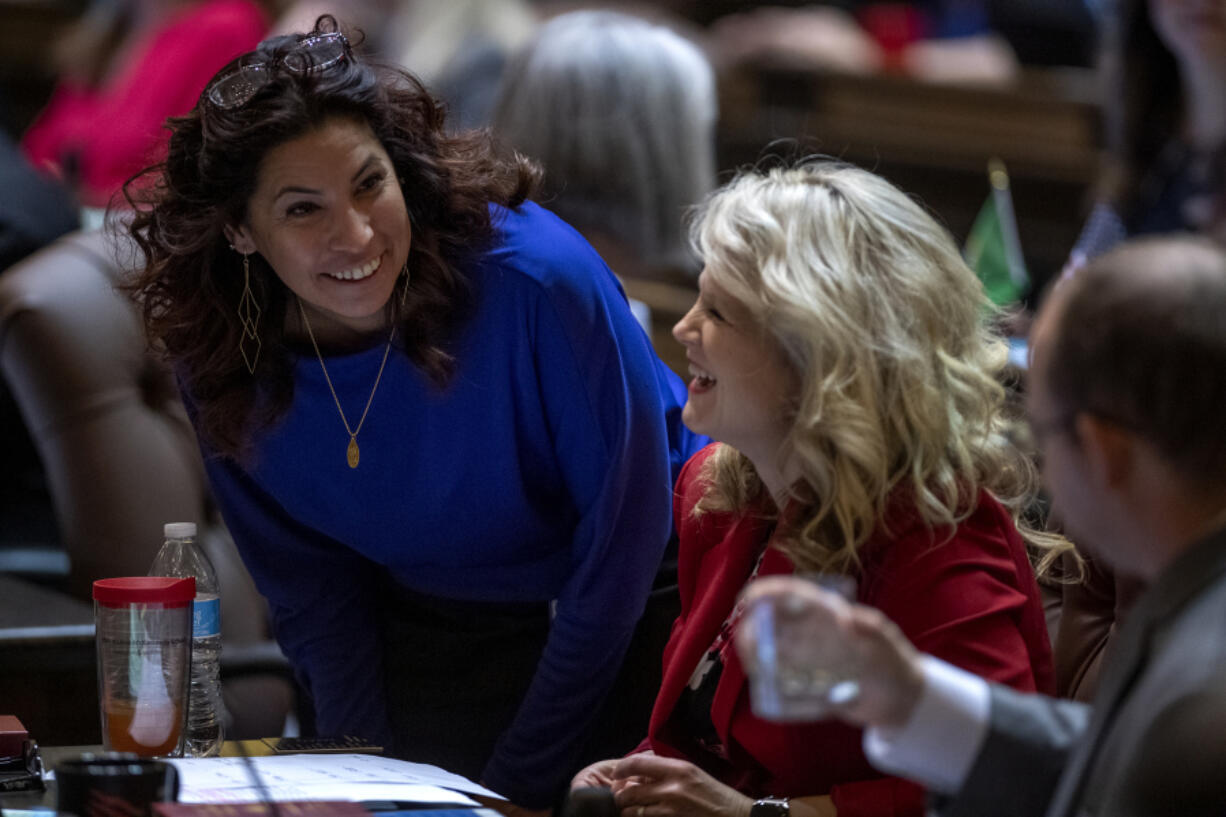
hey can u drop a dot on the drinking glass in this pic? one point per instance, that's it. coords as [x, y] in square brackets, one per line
[798, 671]
[143, 629]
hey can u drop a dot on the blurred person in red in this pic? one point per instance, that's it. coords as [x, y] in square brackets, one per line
[125, 67]
[934, 40]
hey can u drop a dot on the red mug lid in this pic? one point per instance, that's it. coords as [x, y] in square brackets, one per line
[145, 590]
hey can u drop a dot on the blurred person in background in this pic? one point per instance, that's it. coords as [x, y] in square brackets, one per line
[934, 40]
[126, 67]
[620, 112]
[1164, 66]
[842, 356]
[1164, 63]
[458, 48]
[34, 210]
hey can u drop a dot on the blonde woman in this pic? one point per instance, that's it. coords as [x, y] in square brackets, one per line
[840, 354]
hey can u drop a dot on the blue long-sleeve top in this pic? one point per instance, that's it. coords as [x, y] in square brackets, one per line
[542, 471]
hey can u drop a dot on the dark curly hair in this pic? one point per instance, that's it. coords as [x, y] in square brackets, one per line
[191, 281]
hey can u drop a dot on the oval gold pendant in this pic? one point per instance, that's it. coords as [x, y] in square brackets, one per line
[351, 454]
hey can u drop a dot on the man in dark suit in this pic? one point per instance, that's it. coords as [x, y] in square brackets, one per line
[1127, 401]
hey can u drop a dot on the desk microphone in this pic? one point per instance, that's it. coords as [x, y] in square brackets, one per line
[270, 805]
[593, 801]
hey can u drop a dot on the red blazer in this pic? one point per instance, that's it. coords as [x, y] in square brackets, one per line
[117, 129]
[971, 600]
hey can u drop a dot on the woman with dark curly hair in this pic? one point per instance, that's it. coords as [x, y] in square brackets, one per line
[426, 410]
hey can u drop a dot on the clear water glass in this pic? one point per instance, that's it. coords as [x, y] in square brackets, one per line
[799, 671]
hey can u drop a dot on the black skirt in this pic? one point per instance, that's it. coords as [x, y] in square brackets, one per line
[455, 673]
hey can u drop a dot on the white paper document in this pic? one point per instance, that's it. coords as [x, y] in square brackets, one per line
[321, 777]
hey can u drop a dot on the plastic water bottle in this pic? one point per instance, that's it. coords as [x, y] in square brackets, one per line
[181, 557]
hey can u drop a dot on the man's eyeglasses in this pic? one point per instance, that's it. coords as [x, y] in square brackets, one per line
[310, 55]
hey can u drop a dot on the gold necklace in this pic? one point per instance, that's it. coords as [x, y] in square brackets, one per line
[351, 453]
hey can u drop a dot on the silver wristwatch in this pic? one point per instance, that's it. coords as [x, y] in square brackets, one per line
[770, 807]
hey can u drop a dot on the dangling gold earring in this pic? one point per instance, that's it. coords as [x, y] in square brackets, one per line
[249, 317]
[404, 292]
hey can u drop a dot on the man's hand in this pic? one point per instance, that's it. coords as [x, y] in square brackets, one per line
[647, 785]
[888, 673]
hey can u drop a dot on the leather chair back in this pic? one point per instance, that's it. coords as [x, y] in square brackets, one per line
[1091, 613]
[119, 452]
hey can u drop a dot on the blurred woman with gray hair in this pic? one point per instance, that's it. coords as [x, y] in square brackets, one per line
[621, 114]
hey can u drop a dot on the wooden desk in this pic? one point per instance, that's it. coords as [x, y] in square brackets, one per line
[48, 671]
[53, 755]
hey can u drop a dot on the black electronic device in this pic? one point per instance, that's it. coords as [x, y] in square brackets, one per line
[592, 801]
[21, 766]
[343, 744]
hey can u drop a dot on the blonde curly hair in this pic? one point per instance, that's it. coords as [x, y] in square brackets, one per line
[898, 367]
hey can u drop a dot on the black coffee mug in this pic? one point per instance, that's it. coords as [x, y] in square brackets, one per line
[114, 784]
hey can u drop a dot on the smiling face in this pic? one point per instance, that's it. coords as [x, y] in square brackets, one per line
[741, 385]
[329, 217]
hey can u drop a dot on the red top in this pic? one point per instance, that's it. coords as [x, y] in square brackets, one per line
[116, 130]
[162, 590]
[971, 601]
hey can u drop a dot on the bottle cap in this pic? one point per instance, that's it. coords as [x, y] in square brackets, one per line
[145, 590]
[179, 530]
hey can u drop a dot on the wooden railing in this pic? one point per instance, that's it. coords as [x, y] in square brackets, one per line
[934, 140]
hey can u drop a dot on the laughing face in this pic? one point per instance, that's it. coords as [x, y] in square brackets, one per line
[329, 217]
[741, 384]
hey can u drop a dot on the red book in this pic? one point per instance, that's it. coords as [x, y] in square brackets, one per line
[12, 736]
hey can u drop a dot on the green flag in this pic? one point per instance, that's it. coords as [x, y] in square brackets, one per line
[992, 249]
